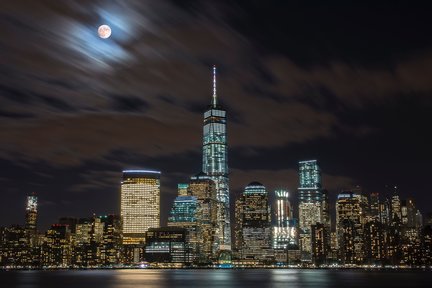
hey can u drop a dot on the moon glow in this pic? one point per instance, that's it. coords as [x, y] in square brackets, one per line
[104, 31]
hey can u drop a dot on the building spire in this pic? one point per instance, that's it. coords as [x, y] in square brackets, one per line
[214, 100]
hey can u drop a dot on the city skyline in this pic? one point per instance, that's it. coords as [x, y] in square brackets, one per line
[299, 82]
[369, 231]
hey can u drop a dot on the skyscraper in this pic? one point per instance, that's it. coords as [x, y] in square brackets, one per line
[56, 249]
[374, 241]
[203, 188]
[184, 210]
[184, 214]
[396, 206]
[350, 218]
[320, 245]
[140, 204]
[31, 214]
[255, 223]
[326, 216]
[283, 231]
[215, 162]
[310, 202]
[374, 206]
[326, 221]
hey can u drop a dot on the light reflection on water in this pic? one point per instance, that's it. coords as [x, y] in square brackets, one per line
[29, 279]
[252, 278]
[283, 278]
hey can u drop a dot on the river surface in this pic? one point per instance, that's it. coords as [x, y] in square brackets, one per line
[250, 278]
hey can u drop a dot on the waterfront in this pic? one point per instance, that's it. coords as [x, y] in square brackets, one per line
[250, 278]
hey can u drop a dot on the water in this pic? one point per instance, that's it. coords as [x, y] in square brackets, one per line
[213, 278]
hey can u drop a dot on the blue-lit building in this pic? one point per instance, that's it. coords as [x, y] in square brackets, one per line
[309, 181]
[215, 163]
[184, 210]
[184, 214]
[310, 203]
[182, 189]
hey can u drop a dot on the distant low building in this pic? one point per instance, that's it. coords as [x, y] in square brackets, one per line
[167, 245]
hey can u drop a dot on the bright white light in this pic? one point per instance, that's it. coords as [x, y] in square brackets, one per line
[104, 31]
[141, 171]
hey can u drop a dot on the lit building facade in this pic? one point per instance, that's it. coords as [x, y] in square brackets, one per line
[320, 245]
[182, 189]
[82, 252]
[140, 204]
[255, 226]
[57, 249]
[284, 233]
[326, 221]
[350, 217]
[238, 211]
[14, 252]
[184, 214]
[167, 245]
[215, 163]
[325, 204]
[374, 242]
[396, 206]
[375, 206]
[111, 242]
[183, 211]
[384, 212]
[310, 203]
[31, 219]
[203, 188]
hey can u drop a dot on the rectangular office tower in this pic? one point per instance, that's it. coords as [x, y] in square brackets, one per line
[310, 202]
[350, 217]
[215, 162]
[284, 231]
[140, 204]
[184, 214]
[254, 224]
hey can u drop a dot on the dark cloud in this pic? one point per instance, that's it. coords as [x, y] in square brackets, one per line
[55, 102]
[10, 114]
[15, 95]
[129, 103]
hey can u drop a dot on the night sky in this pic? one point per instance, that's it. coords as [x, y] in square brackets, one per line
[348, 84]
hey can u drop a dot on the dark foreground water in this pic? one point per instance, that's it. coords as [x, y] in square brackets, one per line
[213, 278]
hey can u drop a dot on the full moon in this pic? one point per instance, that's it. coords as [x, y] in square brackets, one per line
[104, 31]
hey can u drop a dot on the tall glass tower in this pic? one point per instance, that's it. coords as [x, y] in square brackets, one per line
[310, 193]
[215, 163]
[310, 202]
[31, 218]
